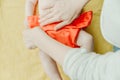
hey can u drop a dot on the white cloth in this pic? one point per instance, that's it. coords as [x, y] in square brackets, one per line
[110, 21]
[81, 65]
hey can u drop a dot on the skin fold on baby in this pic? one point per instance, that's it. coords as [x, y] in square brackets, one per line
[45, 6]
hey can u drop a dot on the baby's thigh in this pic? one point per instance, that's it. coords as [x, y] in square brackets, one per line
[84, 38]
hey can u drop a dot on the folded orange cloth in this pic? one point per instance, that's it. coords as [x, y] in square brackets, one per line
[68, 34]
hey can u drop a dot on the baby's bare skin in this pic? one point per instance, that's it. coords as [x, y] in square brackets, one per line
[48, 63]
[45, 7]
[46, 4]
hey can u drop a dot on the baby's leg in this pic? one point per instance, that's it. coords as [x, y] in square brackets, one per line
[85, 40]
[48, 63]
[50, 66]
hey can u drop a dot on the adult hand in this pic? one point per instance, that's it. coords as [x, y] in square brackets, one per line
[63, 11]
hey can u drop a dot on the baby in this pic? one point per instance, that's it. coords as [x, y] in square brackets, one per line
[71, 35]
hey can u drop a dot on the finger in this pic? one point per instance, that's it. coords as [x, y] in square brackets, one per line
[49, 21]
[50, 15]
[60, 25]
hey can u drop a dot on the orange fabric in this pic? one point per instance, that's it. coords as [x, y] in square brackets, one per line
[68, 34]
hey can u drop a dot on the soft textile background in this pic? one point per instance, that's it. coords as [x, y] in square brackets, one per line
[18, 63]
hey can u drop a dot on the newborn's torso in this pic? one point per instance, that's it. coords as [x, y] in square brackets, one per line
[45, 4]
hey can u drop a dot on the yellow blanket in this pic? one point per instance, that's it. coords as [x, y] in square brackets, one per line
[19, 63]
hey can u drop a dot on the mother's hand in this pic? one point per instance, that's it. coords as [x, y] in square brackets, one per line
[63, 11]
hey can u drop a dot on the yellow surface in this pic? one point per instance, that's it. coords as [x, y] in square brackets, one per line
[100, 44]
[18, 63]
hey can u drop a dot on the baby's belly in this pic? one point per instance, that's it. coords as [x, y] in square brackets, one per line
[46, 4]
